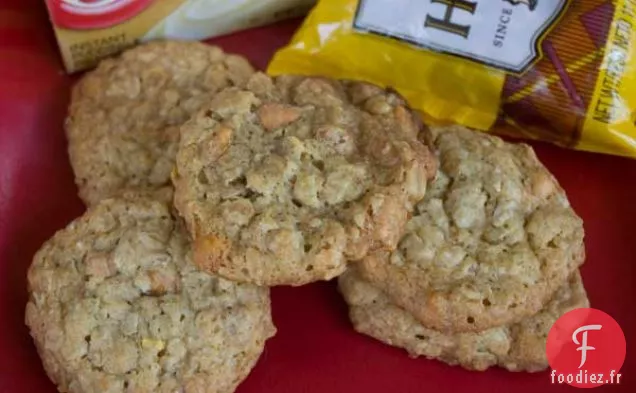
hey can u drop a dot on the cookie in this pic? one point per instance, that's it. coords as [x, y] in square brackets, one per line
[489, 244]
[516, 347]
[116, 305]
[163, 194]
[124, 117]
[283, 182]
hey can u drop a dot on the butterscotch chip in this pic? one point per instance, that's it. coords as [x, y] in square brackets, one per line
[516, 347]
[489, 244]
[124, 117]
[117, 306]
[273, 116]
[284, 181]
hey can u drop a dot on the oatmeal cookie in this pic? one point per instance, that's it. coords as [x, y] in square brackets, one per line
[124, 117]
[283, 182]
[490, 243]
[117, 306]
[516, 347]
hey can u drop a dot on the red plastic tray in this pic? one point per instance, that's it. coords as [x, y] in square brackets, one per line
[316, 350]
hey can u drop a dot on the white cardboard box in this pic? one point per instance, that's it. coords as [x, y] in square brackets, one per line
[89, 30]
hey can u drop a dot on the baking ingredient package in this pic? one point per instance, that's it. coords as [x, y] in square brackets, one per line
[90, 30]
[555, 70]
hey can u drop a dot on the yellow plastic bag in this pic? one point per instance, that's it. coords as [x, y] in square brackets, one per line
[555, 70]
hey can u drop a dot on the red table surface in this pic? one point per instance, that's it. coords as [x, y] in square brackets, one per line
[316, 349]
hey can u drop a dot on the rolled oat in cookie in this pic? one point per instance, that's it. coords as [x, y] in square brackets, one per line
[117, 306]
[124, 117]
[284, 181]
[490, 243]
[516, 347]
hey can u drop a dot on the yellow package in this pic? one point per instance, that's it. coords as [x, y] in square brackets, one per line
[555, 70]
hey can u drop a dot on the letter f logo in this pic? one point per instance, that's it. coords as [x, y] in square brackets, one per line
[583, 344]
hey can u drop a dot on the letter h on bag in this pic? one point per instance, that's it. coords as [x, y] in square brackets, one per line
[446, 23]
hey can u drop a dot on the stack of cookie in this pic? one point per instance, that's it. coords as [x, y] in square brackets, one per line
[488, 262]
[116, 304]
[207, 182]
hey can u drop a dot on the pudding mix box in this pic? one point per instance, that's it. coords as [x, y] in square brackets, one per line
[89, 30]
